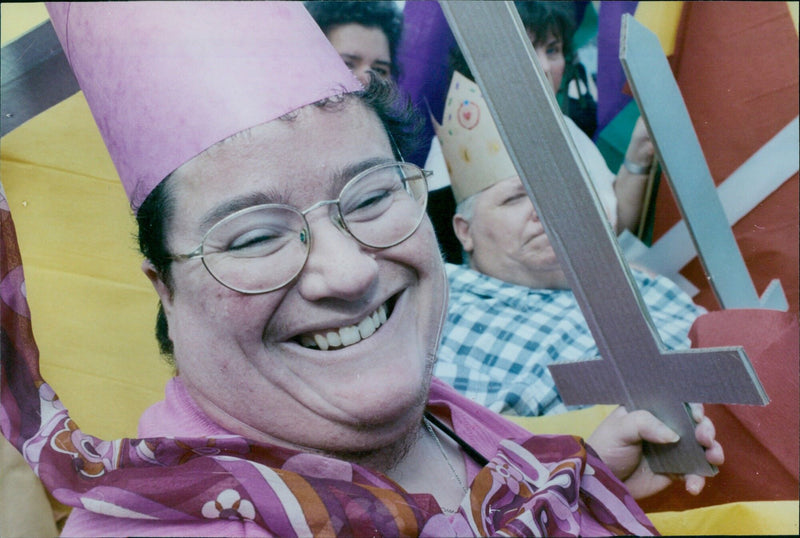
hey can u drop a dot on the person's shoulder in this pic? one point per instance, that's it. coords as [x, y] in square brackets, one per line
[461, 276]
[658, 289]
[646, 278]
[576, 132]
[454, 269]
[468, 285]
[469, 416]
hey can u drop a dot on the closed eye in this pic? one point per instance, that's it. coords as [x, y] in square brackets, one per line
[259, 242]
[515, 198]
[369, 205]
[381, 71]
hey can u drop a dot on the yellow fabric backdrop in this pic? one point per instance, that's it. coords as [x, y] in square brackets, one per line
[16, 18]
[93, 310]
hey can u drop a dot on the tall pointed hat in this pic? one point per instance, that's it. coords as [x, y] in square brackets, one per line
[473, 150]
[167, 80]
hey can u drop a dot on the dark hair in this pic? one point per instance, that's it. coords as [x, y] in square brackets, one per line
[153, 217]
[542, 18]
[386, 16]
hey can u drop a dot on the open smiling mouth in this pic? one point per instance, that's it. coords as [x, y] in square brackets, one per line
[346, 336]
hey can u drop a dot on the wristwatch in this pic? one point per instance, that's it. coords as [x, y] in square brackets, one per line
[634, 168]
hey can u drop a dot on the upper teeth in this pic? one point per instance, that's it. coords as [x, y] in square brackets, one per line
[346, 336]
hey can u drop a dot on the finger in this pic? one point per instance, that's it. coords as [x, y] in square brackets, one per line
[715, 454]
[697, 411]
[641, 484]
[643, 425]
[695, 484]
[705, 433]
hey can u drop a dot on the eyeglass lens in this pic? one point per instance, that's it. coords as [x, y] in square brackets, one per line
[263, 248]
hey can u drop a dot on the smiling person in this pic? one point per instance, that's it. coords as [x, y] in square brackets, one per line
[302, 299]
[365, 34]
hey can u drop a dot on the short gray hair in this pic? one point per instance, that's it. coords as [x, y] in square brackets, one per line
[466, 210]
[466, 207]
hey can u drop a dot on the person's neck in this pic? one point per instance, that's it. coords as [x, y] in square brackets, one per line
[435, 465]
[550, 280]
[537, 280]
[399, 435]
[385, 458]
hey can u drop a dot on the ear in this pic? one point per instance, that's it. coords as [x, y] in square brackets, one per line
[461, 229]
[163, 291]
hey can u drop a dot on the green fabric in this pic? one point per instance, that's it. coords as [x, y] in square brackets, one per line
[613, 140]
[587, 30]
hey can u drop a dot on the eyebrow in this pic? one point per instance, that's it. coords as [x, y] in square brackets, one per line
[272, 196]
[229, 207]
[342, 176]
[346, 56]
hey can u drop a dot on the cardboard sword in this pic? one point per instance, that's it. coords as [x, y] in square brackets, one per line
[635, 370]
[681, 156]
[34, 75]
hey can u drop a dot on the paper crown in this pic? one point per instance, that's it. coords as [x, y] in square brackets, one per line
[475, 155]
[167, 80]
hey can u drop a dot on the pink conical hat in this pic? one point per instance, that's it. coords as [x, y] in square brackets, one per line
[167, 80]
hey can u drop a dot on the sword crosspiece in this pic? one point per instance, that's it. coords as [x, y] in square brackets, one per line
[636, 370]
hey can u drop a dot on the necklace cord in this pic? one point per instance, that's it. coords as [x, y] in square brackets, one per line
[446, 459]
[466, 447]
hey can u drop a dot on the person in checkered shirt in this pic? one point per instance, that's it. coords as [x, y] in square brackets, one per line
[511, 312]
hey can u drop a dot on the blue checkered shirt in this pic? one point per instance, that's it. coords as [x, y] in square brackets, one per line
[499, 337]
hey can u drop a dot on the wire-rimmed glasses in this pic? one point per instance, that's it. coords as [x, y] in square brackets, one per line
[262, 248]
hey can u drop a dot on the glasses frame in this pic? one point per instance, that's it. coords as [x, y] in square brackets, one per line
[337, 219]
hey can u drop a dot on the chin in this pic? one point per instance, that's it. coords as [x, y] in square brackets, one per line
[391, 400]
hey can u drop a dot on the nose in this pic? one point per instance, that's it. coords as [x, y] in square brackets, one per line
[532, 214]
[362, 74]
[544, 61]
[337, 266]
